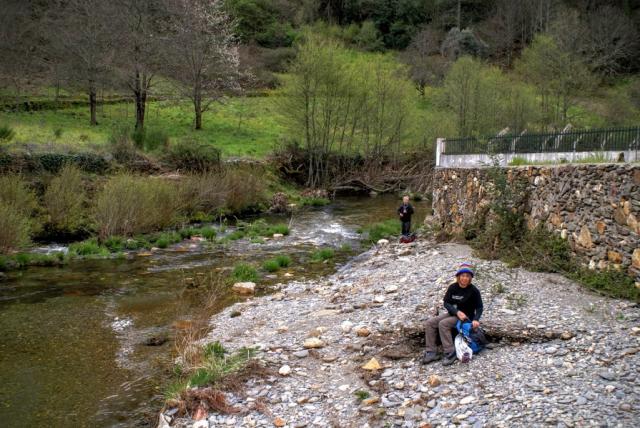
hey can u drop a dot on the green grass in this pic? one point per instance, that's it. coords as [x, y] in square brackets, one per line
[362, 395]
[215, 365]
[283, 260]
[314, 202]
[243, 272]
[90, 247]
[273, 265]
[239, 127]
[322, 255]
[24, 260]
[372, 233]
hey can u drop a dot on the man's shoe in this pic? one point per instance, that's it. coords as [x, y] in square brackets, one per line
[429, 357]
[449, 359]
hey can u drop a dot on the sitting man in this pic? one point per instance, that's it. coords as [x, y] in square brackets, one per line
[462, 302]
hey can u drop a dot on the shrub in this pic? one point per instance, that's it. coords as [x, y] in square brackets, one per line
[14, 228]
[244, 188]
[612, 282]
[202, 192]
[57, 132]
[64, 200]
[193, 155]
[323, 254]
[271, 265]
[208, 233]
[138, 136]
[243, 272]
[128, 204]
[231, 190]
[15, 192]
[6, 133]
[122, 146]
[155, 139]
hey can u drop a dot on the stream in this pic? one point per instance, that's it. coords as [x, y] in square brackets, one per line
[73, 351]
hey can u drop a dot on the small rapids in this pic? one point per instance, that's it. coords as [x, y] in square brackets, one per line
[75, 347]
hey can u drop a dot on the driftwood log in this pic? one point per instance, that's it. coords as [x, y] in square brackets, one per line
[496, 331]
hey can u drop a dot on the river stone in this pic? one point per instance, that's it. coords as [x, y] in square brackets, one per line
[346, 326]
[434, 380]
[285, 370]
[467, 400]
[391, 288]
[363, 331]
[383, 241]
[301, 354]
[379, 298]
[244, 287]
[203, 423]
[607, 375]
[313, 342]
[372, 365]
[635, 258]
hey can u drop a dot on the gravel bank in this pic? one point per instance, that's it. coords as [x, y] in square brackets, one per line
[589, 379]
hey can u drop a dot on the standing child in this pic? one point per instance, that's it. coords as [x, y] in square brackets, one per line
[405, 212]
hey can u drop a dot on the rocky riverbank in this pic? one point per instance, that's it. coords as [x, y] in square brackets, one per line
[316, 337]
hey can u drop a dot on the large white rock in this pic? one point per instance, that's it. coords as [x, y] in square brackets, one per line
[285, 370]
[383, 241]
[244, 287]
[346, 326]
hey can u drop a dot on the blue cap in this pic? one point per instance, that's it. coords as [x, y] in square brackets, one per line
[465, 268]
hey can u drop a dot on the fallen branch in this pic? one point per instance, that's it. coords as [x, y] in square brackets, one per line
[496, 331]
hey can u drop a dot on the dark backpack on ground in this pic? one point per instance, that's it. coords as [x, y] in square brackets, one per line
[406, 239]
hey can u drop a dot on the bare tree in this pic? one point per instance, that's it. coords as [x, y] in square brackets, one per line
[203, 56]
[82, 43]
[427, 67]
[139, 56]
[608, 40]
[18, 43]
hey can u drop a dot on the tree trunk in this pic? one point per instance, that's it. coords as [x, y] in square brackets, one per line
[93, 103]
[141, 104]
[198, 110]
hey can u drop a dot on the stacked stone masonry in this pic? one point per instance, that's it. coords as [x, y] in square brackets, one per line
[595, 207]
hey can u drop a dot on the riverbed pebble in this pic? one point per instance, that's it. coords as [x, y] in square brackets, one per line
[586, 377]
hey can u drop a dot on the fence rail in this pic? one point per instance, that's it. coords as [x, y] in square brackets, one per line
[610, 139]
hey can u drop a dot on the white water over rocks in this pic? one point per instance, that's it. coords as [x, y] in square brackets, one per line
[589, 379]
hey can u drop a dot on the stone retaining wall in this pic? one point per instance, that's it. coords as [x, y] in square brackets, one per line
[595, 207]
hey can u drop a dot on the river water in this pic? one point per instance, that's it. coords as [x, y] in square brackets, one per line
[73, 350]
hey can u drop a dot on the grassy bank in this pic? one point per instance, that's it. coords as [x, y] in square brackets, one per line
[240, 127]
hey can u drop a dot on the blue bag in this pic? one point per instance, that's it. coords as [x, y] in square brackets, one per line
[474, 338]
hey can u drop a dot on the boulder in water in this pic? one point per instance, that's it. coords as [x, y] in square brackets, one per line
[244, 287]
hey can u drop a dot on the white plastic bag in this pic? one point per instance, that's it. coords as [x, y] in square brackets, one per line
[463, 351]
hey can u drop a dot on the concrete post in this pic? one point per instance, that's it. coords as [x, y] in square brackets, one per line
[439, 149]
